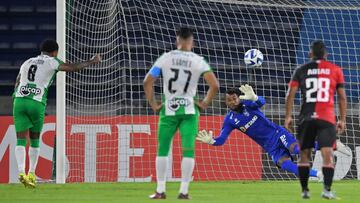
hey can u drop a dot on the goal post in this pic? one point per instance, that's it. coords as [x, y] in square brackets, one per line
[60, 94]
[106, 131]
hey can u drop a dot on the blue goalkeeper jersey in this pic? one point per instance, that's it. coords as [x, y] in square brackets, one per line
[252, 122]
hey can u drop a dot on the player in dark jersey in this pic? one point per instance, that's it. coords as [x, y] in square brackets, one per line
[318, 81]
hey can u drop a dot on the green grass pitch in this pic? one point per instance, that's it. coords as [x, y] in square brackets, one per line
[224, 192]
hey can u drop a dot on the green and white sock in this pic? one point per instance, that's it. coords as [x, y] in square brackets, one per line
[33, 154]
[187, 168]
[20, 154]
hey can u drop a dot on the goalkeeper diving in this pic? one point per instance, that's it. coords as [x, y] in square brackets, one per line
[245, 115]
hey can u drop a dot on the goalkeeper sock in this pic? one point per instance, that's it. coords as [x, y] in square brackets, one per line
[161, 169]
[313, 173]
[20, 154]
[304, 176]
[328, 172]
[187, 168]
[33, 154]
[289, 166]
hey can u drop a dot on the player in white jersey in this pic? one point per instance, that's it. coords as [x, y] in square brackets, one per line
[181, 70]
[32, 83]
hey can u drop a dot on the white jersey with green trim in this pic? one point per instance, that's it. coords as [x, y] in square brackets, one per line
[181, 71]
[36, 75]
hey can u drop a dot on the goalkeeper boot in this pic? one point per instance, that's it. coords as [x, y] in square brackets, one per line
[305, 194]
[157, 195]
[23, 179]
[32, 180]
[326, 194]
[182, 196]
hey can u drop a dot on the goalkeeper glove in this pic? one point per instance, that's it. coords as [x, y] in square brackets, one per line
[249, 93]
[205, 137]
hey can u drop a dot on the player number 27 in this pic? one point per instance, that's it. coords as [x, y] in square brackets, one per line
[176, 76]
[317, 89]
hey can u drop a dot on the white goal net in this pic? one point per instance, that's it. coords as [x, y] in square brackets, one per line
[111, 132]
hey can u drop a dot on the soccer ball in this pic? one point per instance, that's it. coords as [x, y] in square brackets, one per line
[253, 58]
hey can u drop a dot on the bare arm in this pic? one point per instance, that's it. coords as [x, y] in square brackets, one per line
[342, 107]
[211, 80]
[289, 106]
[74, 67]
[149, 92]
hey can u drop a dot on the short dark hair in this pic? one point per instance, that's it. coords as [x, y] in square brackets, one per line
[49, 45]
[233, 91]
[184, 32]
[318, 49]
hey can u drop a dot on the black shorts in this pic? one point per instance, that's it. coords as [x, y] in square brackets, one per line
[316, 130]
